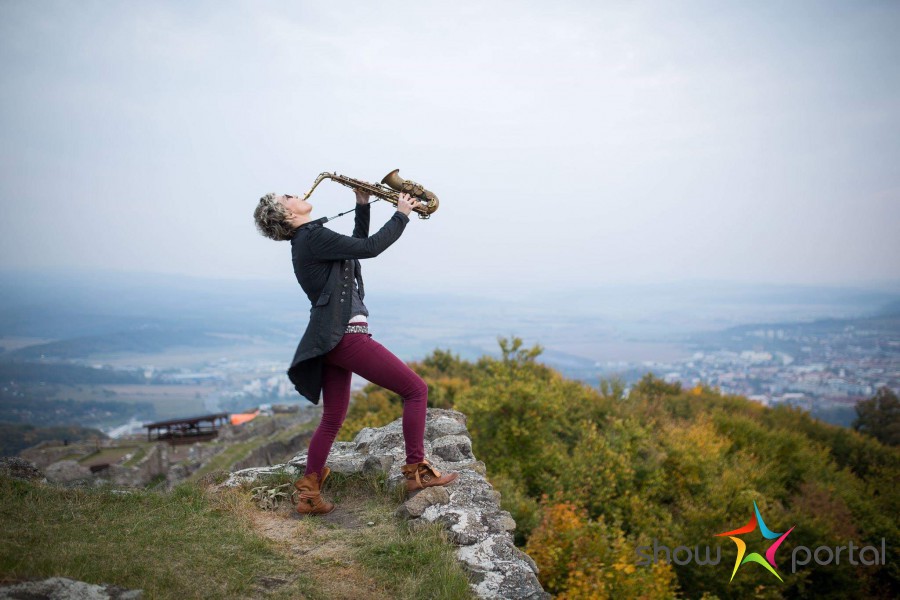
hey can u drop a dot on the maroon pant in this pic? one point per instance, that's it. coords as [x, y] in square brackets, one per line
[359, 353]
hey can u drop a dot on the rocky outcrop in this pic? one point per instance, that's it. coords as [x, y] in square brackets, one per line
[263, 455]
[19, 468]
[63, 587]
[468, 509]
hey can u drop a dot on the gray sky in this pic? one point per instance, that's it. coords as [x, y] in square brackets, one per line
[570, 143]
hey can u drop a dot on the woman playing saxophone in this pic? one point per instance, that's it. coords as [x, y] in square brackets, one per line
[337, 342]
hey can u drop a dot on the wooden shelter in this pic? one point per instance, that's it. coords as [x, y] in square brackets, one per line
[187, 431]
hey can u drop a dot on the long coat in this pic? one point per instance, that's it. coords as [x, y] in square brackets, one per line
[322, 265]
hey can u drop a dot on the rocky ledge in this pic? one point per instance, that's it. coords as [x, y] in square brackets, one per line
[468, 508]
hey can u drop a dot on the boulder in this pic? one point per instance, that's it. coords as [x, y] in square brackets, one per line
[19, 468]
[69, 472]
[63, 587]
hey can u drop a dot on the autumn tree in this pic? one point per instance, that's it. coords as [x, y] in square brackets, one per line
[879, 416]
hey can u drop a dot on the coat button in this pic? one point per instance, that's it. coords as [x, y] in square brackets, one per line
[343, 293]
[342, 299]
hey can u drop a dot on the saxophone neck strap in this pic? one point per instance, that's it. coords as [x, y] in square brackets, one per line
[326, 219]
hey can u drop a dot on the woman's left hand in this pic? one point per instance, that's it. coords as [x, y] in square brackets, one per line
[361, 196]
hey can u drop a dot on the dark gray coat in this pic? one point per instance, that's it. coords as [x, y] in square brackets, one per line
[322, 265]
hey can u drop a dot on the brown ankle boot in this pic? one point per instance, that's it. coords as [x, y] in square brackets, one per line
[422, 475]
[310, 497]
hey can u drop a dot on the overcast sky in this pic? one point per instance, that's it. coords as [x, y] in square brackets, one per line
[570, 143]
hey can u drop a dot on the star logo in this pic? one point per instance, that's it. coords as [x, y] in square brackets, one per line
[769, 561]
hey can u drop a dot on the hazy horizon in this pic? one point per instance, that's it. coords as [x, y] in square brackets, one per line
[51, 298]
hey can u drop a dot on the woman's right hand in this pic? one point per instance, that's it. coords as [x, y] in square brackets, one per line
[405, 203]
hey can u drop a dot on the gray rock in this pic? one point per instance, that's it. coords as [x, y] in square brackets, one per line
[415, 506]
[68, 472]
[445, 425]
[453, 448]
[250, 475]
[19, 468]
[502, 522]
[375, 464]
[63, 587]
[496, 564]
[363, 439]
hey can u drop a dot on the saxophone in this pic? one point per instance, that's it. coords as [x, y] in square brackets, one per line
[390, 188]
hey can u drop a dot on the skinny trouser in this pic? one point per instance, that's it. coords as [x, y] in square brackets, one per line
[359, 353]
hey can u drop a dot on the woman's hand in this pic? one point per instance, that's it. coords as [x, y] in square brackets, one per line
[406, 203]
[361, 196]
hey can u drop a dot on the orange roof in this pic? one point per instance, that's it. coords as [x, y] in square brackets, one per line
[240, 418]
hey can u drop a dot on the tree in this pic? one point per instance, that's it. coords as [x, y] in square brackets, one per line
[879, 416]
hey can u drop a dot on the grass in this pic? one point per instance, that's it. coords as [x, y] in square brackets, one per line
[415, 565]
[137, 456]
[285, 434]
[175, 545]
[193, 543]
[227, 457]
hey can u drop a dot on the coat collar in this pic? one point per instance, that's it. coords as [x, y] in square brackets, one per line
[307, 226]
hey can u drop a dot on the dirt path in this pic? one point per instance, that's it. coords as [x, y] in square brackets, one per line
[322, 548]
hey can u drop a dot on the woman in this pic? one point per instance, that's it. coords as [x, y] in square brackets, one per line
[337, 342]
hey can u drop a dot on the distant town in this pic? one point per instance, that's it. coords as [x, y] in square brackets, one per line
[824, 367]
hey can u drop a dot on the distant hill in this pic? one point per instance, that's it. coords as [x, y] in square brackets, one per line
[145, 340]
[35, 372]
[17, 437]
[32, 408]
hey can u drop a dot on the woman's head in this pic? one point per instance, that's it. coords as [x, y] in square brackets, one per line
[277, 216]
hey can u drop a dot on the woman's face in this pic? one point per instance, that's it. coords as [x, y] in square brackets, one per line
[295, 205]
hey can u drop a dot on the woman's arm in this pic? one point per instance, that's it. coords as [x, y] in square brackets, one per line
[326, 244]
[361, 227]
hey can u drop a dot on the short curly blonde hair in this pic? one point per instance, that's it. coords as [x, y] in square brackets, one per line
[271, 218]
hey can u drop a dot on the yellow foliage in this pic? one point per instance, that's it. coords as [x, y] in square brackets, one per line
[579, 558]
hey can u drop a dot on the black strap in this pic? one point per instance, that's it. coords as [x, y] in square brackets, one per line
[325, 219]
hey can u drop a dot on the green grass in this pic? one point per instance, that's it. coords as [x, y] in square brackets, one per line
[416, 565]
[137, 456]
[286, 434]
[175, 545]
[227, 457]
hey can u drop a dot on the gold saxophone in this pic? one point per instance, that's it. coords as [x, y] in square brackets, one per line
[394, 186]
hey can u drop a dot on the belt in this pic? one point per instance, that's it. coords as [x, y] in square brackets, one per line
[354, 328]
